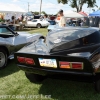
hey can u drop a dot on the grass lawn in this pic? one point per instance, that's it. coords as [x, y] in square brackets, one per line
[15, 86]
[36, 30]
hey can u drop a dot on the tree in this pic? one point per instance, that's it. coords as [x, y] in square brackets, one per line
[78, 4]
[36, 13]
[43, 12]
[98, 8]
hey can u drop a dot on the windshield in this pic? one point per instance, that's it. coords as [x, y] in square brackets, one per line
[67, 35]
[5, 31]
[2, 30]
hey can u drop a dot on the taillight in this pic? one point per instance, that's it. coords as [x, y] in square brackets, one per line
[71, 65]
[21, 59]
[64, 64]
[29, 61]
[24, 60]
[77, 65]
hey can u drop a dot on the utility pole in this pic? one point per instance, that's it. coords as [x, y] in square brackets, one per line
[40, 6]
[28, 6]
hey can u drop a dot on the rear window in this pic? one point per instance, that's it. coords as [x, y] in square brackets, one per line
[58, 37]
[37, 17]
[34, 20]
[69, 35]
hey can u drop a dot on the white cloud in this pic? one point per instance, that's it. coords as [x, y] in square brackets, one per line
[10, 7]
[47, 7]
[15, 0]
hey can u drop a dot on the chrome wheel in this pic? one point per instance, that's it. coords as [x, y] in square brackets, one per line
[2, 59]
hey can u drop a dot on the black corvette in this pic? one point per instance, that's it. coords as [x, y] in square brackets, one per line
[72, 53]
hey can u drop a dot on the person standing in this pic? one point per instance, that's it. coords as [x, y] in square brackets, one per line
[45, 17]
[62, 21]
[57, 19]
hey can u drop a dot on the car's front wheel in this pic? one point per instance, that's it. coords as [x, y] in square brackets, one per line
[3, 58]
[39, 25]
[34, 77]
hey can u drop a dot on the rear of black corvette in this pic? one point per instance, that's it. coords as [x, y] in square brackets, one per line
[73, 56]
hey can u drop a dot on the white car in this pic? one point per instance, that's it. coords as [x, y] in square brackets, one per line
[37, 23]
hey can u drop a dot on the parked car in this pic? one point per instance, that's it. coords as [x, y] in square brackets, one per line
[56, 27]
[37, 23]
[11, 41]
[52, 22]
[72, 53]
[30, 18]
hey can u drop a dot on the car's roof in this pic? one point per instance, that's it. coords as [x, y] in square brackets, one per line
[72, 32]
[76, 28]
[67, 34]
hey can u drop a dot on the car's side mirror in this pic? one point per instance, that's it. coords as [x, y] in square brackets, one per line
[16, 34]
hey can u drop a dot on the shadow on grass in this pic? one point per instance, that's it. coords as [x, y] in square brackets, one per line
[27, 29]
[68, 90]
[9, 69]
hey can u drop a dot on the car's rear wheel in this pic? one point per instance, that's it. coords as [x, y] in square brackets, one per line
[34, 77]
[97, 86]
[39, 25]
[3, 58]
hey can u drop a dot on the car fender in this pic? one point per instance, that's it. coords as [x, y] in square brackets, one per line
[95, 59]
[6, 49]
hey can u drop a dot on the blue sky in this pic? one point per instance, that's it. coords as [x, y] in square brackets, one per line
[49, 6]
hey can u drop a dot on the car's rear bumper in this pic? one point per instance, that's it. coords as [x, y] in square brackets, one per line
[87, 73]
[60, 74]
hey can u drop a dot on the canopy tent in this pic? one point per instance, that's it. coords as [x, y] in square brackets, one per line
[83, 13]
[8, 10]
[72, 14]
[95, 19]
[96, 13]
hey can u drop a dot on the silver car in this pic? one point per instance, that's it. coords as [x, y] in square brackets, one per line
[37, 23]
[11, 42]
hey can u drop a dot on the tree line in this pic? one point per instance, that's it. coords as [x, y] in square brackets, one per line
[78, 4]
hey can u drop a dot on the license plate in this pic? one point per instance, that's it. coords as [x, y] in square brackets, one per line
[48, 62]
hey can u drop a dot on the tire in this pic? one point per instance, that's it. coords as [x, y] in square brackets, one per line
[38, 25]
[3, 58]
[34, 77]
[97, 86]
